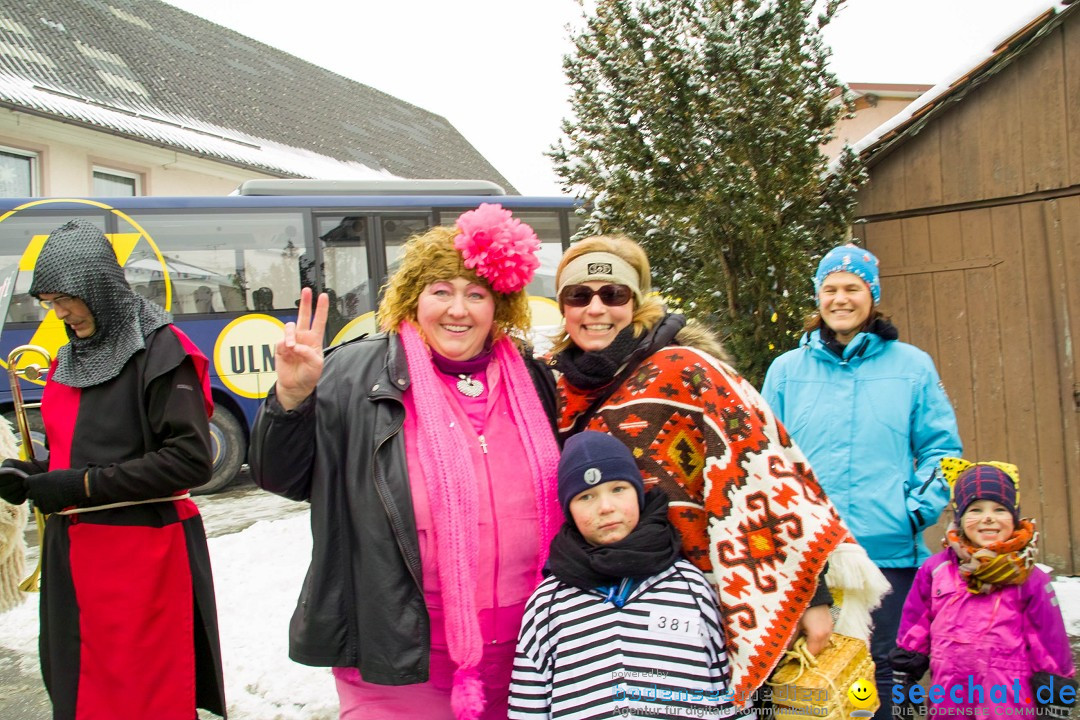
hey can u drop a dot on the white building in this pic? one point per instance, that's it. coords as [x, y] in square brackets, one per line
[122, 97]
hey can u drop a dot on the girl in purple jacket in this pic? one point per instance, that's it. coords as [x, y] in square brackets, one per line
[980, 615]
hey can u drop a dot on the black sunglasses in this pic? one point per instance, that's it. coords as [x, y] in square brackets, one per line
[582, 295]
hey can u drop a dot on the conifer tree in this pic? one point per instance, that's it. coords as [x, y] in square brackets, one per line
[696, 131]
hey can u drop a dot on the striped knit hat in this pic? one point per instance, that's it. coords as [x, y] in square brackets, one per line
[985, 482]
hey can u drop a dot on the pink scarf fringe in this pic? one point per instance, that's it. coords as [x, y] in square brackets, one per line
[451, 486]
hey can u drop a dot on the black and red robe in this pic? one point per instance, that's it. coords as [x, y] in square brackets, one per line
[128, 617]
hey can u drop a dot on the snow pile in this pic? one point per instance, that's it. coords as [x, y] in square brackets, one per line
[257, 576]
[1067, 590]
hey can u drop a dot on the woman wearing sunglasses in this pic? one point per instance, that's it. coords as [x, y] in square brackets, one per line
[750, 511]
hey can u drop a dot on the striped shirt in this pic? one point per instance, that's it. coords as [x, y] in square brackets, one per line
[660, 655]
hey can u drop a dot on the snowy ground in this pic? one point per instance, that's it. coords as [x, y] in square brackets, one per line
[258, 572]
[1068, 594]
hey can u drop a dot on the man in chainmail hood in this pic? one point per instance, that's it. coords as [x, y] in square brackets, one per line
[128, 617]
[78, 261]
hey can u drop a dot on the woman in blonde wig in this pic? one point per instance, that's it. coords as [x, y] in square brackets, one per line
[429, 463]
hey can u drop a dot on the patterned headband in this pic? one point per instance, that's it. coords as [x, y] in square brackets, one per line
[602, 266]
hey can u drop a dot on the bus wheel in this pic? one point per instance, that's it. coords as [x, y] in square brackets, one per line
[227, 446]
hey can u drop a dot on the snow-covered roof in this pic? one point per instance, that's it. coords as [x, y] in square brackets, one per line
[151, 72]
[982, 64]
[184, 134]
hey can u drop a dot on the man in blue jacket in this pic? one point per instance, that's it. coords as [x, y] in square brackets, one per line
[872, 417]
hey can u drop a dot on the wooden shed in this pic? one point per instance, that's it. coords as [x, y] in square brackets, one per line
[973, 208]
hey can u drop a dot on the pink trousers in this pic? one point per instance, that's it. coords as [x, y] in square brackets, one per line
[361, 700]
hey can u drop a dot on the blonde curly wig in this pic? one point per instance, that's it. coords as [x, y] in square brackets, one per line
[431, 257]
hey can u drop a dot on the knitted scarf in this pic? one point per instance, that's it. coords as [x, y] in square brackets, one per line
[986, 569]
[451, 487]
[596, 368]
[650, 548]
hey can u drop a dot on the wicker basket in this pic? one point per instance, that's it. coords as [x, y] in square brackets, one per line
[805, 687]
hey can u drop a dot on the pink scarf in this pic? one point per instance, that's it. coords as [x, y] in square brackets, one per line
[451, 486]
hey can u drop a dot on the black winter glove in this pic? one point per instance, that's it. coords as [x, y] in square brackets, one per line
[30, 467]
[908, 668]
[1055, 695]
[58, 489]
[12, 484]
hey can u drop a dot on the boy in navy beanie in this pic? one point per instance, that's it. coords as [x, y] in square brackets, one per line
[618, 591]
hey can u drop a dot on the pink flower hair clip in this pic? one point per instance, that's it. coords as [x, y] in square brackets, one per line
[498, 247]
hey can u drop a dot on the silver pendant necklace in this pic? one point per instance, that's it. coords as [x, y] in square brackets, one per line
[469, 387]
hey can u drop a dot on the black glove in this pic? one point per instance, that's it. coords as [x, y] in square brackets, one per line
[908, 668]
[1048, 694]
[12, 484]
[58, 489]
[29, 467]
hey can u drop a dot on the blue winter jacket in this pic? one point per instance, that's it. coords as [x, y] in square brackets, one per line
[874, 425]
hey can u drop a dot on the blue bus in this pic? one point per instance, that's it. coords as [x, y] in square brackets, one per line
[230, 269]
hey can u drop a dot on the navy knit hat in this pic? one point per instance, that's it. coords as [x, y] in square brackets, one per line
[590, 458]
[985, 482]
[853, 259]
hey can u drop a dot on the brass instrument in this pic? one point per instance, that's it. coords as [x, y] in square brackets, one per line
[31, 371]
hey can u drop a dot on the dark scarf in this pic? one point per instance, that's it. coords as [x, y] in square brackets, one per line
[879, 325]
[595, 369]
[591, 369]
[653, 546]
[77, 260]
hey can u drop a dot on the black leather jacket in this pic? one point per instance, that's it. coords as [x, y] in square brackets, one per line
[342, 449]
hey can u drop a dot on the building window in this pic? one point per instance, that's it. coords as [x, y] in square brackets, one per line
[18, 173]
[116, 183]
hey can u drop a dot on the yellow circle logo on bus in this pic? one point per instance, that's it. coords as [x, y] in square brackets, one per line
[244, 354]
[355, 328]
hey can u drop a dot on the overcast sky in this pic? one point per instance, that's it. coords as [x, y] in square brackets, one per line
[493, 68]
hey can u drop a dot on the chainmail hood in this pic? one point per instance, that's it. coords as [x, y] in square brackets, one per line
[78, 260]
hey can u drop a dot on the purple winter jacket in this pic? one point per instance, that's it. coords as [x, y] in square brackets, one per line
[997, 639]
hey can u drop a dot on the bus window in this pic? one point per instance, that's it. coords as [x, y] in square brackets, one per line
[219, 262]
[546, 225]
[396, 229]
[16, 234]
[347, 274]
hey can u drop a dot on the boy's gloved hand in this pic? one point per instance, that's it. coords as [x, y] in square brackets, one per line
[1049, 697]
[908, 667]
[57, 489]
[12, 484]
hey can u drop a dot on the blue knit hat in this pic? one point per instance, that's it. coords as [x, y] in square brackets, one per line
[853, 259]
[590, 458]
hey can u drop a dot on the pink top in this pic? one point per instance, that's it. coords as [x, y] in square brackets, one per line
[508, 530]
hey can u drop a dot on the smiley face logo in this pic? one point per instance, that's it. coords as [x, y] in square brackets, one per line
[863, 694]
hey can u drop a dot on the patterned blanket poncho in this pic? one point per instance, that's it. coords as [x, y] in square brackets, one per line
[751, 512]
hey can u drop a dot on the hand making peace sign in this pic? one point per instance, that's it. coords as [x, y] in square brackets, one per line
[298, 358]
